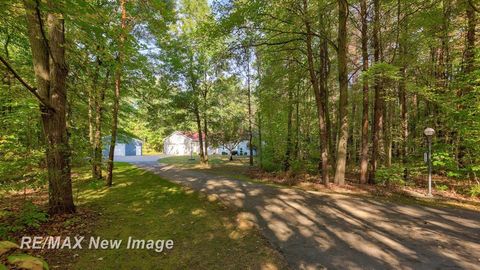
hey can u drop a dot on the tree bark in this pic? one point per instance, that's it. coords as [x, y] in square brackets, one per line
[92, 117]
[116, 100]
[343, 88]
[205, 119]
[288, 151]
[470, 46]
[378, 103]
[200, 135]
[249, 93]
[97, 146]
[48, 55]
[259, 116]
[364, 150]
[205, 131]
[402, 90]
[323, 139]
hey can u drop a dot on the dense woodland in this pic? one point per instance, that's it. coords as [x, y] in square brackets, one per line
[338, 89]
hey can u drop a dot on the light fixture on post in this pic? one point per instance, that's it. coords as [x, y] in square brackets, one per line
[429, 132]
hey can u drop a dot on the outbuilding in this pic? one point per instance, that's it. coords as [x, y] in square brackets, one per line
[125, 146]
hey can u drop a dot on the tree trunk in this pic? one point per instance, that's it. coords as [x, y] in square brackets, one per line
[388, 132]
[324, 73]
[259, 115]
[343, 88]
[97, 147]
[364, 150]
[249, 93]
[200, 135]
[325, 136]
[286, 161]
[205, 131]
[469, 67]
[318, 100]
[116, 100]
[92, 117]
[470, 46]
[205, 121]
[378, 103]
[402, 90]
[297, 124]
[352, 156]
[50, 73]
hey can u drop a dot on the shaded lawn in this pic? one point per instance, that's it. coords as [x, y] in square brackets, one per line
[217, 164]
[144, 206]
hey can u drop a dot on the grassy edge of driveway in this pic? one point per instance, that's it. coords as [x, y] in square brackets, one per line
[142, 205]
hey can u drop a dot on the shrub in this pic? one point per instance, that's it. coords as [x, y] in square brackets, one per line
[29, 217]
[474, 190]
[390, 175]
[441, 187]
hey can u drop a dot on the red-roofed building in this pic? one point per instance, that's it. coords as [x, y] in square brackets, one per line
[187, 143]
[183, 143]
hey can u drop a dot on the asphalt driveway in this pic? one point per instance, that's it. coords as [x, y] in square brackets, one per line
[315, 230]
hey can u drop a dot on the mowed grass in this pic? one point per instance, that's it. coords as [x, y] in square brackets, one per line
[217, 164]
[144, 206]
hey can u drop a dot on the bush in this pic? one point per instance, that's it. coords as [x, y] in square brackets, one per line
[29, 217]
[441, 187]
[390, 175]
[474, 190]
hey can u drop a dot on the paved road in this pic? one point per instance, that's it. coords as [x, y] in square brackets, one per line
[137, 159]
[315, 230]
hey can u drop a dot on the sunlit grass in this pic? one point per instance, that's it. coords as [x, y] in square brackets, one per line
[144, 206]
[217, 165]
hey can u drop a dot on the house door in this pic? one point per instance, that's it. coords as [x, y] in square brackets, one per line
[130, 150]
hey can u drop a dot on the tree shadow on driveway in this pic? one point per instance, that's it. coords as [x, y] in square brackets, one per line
[315, 230]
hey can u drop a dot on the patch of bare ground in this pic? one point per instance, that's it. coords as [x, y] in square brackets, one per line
[79, 223]
[414, 192]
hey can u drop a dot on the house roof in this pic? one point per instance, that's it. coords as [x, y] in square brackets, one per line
[191, 135]
[123, 137]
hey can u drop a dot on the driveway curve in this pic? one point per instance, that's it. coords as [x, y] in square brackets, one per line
[317, 230]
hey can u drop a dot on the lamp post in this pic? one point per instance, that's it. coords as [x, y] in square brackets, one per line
[429, 132]
[191, 151]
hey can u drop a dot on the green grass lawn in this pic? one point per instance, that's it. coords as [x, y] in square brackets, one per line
[144, 206]
[217, 164]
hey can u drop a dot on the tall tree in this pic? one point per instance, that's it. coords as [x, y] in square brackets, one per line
[250, 116]
[116, 100]
[323, 139]
[343, 88]
[365, 99]
[47, 42]
[402, 92]
[378, 99]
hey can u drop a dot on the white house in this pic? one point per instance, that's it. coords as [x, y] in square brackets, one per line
[182, 144]
[241, 148]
